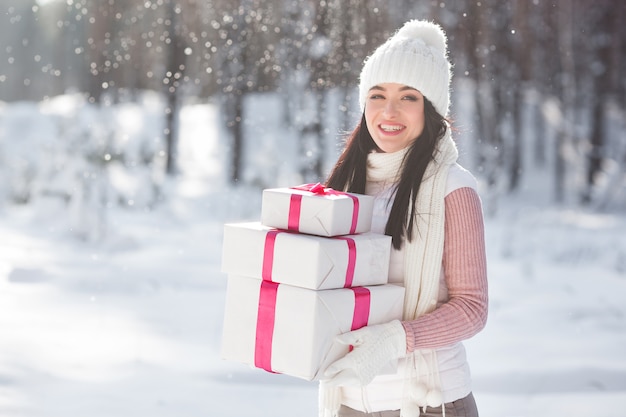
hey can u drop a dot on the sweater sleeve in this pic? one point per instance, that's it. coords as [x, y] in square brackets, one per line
[465, 270]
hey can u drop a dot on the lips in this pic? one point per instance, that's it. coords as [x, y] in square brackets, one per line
[391, 128]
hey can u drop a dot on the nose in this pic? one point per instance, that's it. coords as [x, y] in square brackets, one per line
[391, 109]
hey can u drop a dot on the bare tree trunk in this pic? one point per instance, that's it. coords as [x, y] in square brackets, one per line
[523, 58]
[607, 85]
[486, 101]
[565, 136]
[234, 66]
[175, 69]
[238, 140]
[97, 51]
[310, 131]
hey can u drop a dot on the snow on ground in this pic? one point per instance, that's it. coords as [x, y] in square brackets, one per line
[557, 316]
[131, 326]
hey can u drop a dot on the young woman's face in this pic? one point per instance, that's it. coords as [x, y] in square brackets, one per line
[394, 114]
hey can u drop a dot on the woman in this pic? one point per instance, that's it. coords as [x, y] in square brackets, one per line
[402, 153]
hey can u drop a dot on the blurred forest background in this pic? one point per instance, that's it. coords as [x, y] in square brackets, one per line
[539, 86]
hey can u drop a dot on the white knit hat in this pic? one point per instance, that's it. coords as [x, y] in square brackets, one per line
[415, 56]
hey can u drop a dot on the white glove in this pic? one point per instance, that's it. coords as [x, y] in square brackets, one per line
[374, 347]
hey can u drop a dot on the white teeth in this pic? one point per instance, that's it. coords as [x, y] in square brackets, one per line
[390, 128]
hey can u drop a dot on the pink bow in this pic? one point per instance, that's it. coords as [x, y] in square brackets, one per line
[317, 188]
[293, 222]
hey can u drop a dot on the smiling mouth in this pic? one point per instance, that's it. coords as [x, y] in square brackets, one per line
[391, 128]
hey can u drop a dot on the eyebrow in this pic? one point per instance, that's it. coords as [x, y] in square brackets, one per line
[404, 88]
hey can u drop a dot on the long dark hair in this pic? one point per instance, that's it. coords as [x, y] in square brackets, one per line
[349, 173]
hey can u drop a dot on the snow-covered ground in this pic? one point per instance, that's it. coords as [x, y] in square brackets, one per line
[130, 325]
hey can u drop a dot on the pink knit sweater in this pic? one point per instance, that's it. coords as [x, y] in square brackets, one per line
[465, 270]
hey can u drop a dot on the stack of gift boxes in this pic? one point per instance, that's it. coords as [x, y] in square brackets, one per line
[307, 272]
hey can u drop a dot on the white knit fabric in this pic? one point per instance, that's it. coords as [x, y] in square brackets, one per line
[424, 253]
[374, 347]
[415, 56]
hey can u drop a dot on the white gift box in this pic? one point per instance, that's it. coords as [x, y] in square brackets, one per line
[331, 214]
[307, 261]
[293, 333]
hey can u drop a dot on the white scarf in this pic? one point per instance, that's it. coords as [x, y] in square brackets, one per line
[422, 260]
[423, 255]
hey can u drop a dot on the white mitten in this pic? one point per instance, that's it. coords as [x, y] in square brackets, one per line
[374, 347]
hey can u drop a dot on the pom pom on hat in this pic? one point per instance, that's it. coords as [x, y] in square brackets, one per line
[415, 56]
[430, 33]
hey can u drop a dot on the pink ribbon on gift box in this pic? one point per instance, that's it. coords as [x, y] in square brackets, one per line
[265, 325]
[362, 298]
[295, 204]
[266, 314]
[268, 295]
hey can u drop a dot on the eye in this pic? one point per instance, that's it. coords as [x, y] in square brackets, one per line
[410, 97]
[376, 97]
